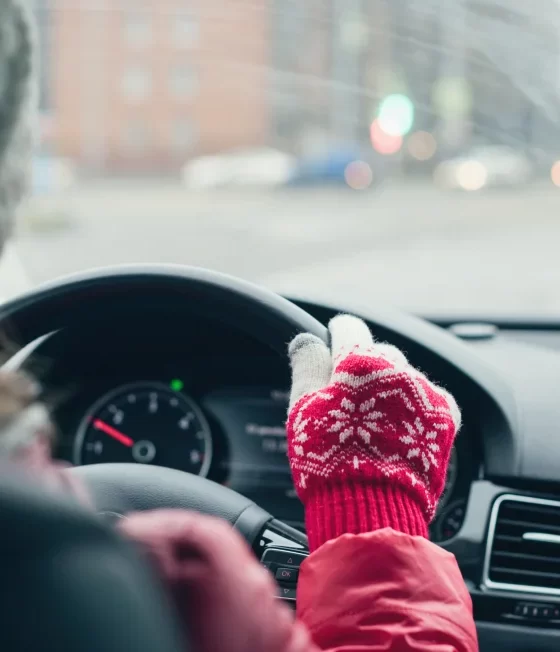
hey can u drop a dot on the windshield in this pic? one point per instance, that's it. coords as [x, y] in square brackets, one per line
[396, 151]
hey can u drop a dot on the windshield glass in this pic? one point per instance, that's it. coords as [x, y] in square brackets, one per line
[401, 151]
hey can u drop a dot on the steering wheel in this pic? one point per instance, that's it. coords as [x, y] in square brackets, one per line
[121, 488]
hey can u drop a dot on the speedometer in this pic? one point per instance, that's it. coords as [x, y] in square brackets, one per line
[146, 423]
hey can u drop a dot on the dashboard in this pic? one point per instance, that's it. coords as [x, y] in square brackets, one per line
[168, 386]
[200, 398]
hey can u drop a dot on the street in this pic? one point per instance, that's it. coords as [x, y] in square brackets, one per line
[406, 244]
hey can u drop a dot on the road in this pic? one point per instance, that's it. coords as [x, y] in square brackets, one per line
[410, 245]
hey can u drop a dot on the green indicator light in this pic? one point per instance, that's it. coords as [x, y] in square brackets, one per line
[176, 385]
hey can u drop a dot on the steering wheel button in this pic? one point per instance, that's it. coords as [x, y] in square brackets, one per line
[283, 557]
[287, 574]
[287, 593]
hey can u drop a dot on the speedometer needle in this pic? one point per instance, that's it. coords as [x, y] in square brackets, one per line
[113, 432]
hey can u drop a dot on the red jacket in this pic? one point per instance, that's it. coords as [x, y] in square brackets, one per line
[385, 591]
[377, 591]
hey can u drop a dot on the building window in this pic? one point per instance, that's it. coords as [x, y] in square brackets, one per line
[184, 30]
[183, 81]
[183, 136]
[136, 137]
[137, 29]
[137, 83]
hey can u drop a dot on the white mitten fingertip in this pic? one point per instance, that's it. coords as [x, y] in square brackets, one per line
[302, 342]
[311, 365]
[349, 333]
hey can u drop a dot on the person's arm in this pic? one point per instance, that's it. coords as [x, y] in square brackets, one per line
[224, 598]
[385, 591]
[369, 443]
[357, 593]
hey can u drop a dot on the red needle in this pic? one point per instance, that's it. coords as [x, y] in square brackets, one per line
[112, 432]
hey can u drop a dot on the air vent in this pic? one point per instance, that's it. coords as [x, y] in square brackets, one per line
[523, 552]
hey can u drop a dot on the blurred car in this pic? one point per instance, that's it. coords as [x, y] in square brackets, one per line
[348, 166]
[247, 167]
[485, 167]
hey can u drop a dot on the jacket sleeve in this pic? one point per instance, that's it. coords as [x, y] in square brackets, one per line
[385, 591]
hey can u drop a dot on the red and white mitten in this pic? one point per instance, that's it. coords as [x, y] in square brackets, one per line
[369, 436]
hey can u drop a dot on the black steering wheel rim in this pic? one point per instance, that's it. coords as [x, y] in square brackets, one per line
[257, 311]
[269, 318]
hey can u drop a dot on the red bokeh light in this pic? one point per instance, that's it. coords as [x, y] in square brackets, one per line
[383, 142]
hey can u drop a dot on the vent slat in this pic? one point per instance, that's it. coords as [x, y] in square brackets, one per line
[513, 560]
[525, 557]
[507, 537]
[527, 573]
[529, 525]
[533, 507]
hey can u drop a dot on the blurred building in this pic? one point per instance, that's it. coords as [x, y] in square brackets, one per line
[133, 85]
[142, 85]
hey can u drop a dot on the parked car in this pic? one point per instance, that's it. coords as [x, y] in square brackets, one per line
[485, 167]
[244, 167]
[349, 166]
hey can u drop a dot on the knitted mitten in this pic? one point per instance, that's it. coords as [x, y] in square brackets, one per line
[369, 436]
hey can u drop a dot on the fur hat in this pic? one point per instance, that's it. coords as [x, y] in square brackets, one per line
[18, 103]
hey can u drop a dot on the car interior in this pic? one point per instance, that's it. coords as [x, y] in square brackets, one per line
[196, 360]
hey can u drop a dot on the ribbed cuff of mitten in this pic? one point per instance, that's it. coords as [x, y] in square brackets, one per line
[359, 507]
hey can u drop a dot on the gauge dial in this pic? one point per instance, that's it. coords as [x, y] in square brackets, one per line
[451, 479]
[146, 423]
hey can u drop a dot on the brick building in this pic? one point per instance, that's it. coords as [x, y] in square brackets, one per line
[142, 85]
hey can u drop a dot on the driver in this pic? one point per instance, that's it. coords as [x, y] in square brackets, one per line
[369, 442]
